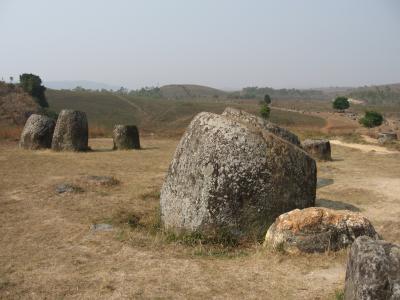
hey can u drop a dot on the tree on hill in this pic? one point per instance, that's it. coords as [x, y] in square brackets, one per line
[265, 111]
[267, 99]
[341, 103]
[371, 119]
[32, 84]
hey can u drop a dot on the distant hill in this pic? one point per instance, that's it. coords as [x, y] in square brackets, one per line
[157, 115]
[377, 95]
[276, 94]
[180, 91]
[71, 84]
[15, 105]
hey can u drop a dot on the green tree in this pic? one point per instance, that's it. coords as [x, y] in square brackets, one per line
[341, 103]
[371, 119]
[267, 99]
[265, 111]
[32, 84]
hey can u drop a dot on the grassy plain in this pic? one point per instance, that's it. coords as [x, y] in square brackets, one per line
[160, 116]
[50, 250]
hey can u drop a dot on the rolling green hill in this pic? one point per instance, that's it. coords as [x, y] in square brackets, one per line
[155, 115]
[182, 91]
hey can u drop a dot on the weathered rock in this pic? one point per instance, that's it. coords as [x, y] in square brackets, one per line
[67, 188]
[319, 149]
[126, 137]
[386, 137]
[231, 175]
[242, 116]
[37, 133]
[102, 227]
[373, 270]
[317, 229]
[71, 132]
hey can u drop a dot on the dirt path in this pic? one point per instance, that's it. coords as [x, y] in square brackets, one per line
[335, 123]
[368, 181]
[365, 148]
[134, 105]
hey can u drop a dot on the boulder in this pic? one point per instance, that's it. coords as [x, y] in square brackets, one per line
[317, 229]
[243, 116]
[71, 132]
[373, 270]
[319, 149]
[126, 137]
[37, 133]
[233, 176]
[385, 137]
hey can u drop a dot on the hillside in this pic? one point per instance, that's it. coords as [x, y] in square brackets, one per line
[375, 95]
[15, 105]
[71, 84]
[181, 91]
[154, 115]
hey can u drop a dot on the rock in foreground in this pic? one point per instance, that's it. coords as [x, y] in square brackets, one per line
[37, 133]
[232, 176]
[71, 132]
[243, 116]
[373, 271]
[317, 229]
[319, 149]
[126, 137]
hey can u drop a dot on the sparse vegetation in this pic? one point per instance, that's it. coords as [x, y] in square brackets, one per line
[371, 119]
[341, 103]
[265, 111]
[339, 295]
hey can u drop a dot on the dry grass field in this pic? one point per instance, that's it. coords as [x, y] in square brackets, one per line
[50, 249]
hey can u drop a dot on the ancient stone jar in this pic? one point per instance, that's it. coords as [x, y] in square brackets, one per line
[239, 114]
[230, 175]
[373, 270]
[319, 149]
[71, 132]
[317, 229]
[126, 137]
[37, 133]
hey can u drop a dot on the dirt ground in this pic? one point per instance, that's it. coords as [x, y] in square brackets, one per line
[49, 250]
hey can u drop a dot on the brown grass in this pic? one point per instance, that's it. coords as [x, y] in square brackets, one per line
[96, 131]
[48, 249]
[10, 132]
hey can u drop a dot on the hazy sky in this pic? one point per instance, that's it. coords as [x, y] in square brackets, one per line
[221, 43]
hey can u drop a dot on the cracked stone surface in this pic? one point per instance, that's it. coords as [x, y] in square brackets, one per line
[229, 174]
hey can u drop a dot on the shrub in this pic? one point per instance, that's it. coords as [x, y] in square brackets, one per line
[341, 103]
[371, 119]
[265, 111]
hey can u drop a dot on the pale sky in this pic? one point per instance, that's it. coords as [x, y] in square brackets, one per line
[220, 43]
